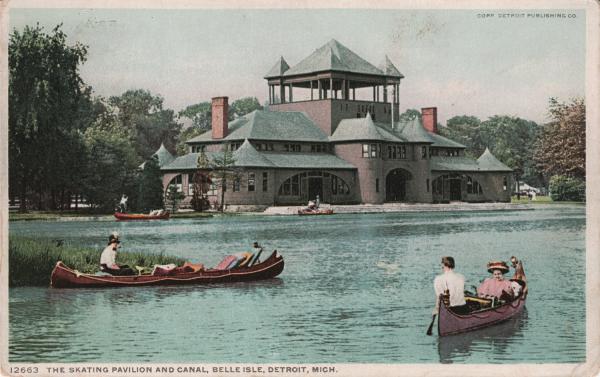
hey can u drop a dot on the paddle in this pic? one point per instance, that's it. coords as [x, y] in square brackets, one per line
[429, 330]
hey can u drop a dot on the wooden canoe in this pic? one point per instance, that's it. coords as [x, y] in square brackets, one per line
[64, 277]
[451, 323]
[315, 212]
[140, 216]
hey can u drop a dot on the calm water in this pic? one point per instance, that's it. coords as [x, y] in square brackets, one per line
[356, 288]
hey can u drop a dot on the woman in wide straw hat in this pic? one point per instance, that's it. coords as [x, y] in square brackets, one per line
[496, 286]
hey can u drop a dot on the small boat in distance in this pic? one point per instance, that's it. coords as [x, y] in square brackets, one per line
[142, 216]
[64, 277]
[315, 212]
[489, 314]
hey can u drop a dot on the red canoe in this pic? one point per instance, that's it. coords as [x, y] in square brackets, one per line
[64, 277]
[451, 323]
[314, 212]
[140, 216]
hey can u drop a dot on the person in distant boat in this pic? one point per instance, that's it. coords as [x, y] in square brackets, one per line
[453, 284]
[318, 202]
[496, 286]
[123, 204]
[257, 250]
[108, 258]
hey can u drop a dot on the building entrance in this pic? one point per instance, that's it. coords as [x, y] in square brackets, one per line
[315, 187]
[455, 189]
[395, 185]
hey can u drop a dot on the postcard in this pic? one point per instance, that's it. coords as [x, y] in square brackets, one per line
[199, 188]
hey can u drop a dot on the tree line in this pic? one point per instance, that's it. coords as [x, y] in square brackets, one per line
[550, 155]
[65, 141]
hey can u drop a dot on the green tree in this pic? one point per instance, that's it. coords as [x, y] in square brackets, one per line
[148, 124]
[201, 183]
[511, 140]
[110, 169]
[567, 188]
[174, 197]
[48, 111]
[201, 116]
[224, 171]
[244, 106]
[150, 187]
[560, 149]
[467, 131]
[409, 114]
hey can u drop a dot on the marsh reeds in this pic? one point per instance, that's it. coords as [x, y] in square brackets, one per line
[31, 260]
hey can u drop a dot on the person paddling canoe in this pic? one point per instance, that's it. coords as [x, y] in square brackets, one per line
[108, 258]
[452, 284]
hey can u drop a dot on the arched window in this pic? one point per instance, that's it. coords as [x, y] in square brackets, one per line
[473, 187]
[178, 182]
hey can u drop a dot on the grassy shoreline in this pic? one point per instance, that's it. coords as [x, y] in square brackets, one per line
[31, 260]
[57, 215]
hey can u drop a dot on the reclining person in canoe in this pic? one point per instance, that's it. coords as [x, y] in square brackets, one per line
[496, 286]
[108, 258]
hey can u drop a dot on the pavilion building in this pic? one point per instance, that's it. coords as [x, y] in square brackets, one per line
[332, 130]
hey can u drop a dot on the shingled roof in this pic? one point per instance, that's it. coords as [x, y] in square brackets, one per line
[485, 163]
[333, 56]
[278, 69]
[489, 162]
[247, 156]
[413, 131]
[389, 68]
[270, 125]
[164, 156]
[363, 129]
[441, 141]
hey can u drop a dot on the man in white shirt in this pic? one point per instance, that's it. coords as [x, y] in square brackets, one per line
[452, 282]
[108, 258]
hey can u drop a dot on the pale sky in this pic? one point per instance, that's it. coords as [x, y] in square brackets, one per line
[456, 60]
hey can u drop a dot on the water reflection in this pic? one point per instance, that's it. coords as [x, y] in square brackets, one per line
[456, 348]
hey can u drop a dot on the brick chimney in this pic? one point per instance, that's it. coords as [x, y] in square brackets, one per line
[429, 116]
[220, 108]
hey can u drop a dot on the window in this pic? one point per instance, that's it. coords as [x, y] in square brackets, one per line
[434, 152]
[291, 186]
[292, 147]
[296, 185]
[473, 187]
[376, 184]
[264, 146]
[424, 152]
[373, 150]
[191, 184]
[318, 148]
[178, 182]
[338, 186]
[236, 184]
[212, 189]
[427, 184]
[251, 180]
[198, 148]
[234, 146]
[505, 183]
[365, 150]
[396, 152]
[265, 182]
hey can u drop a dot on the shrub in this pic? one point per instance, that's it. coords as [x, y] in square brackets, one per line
[31, 260]
[563, 188]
